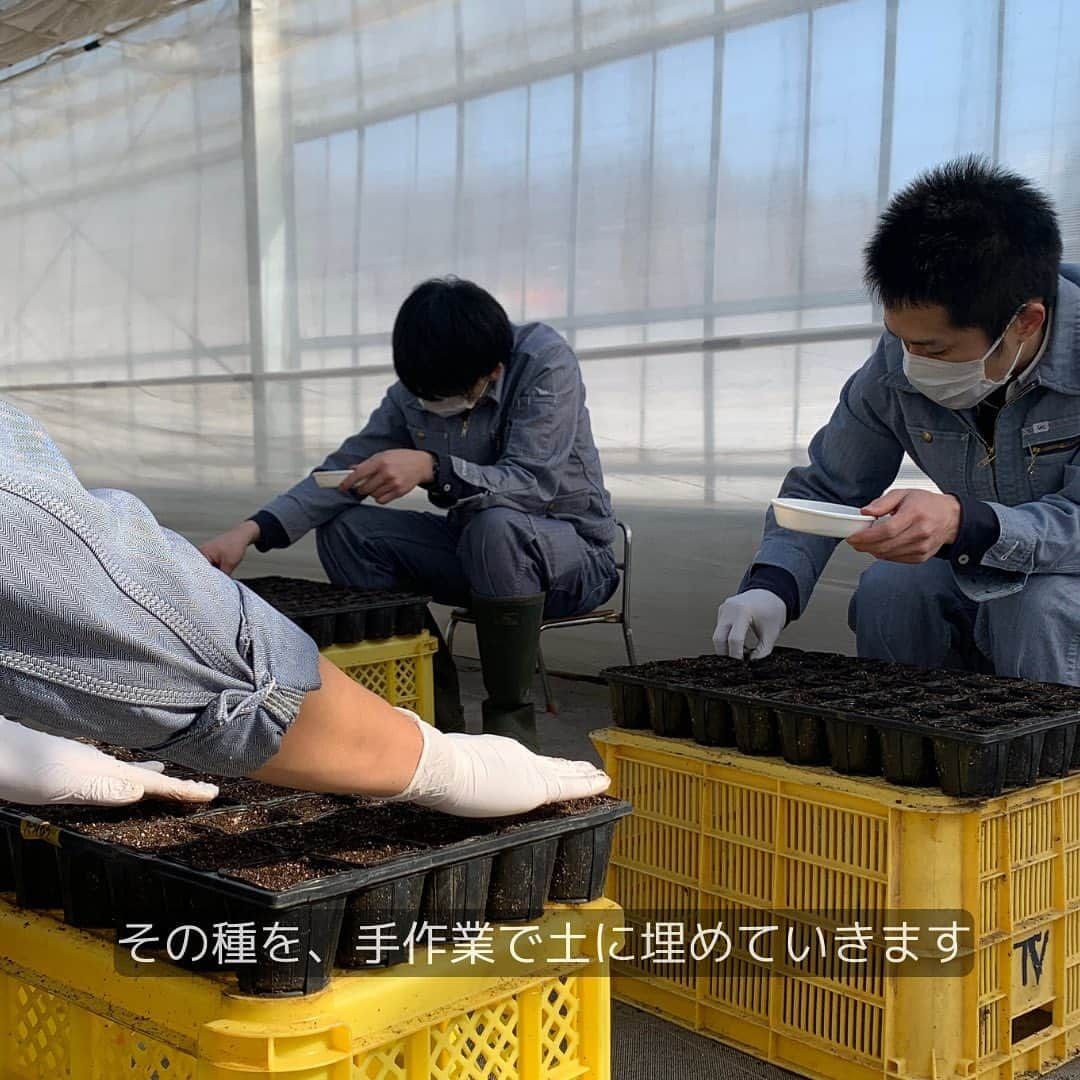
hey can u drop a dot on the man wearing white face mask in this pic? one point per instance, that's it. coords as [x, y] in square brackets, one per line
[490, 419]
[977, 378]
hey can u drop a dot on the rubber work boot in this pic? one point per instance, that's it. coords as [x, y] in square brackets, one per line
[508, 635]
[449, 715]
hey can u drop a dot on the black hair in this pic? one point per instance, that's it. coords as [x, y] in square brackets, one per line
[971, 236]
[448, 335]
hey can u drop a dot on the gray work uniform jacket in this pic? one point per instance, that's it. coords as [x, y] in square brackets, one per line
[526, 445]
[114, 628]
[1027, 475]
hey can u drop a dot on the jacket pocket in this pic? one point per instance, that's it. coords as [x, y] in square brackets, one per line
[1050, 445]
[943, 454]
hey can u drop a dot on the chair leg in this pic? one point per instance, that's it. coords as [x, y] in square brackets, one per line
[545, 681]
[451, 631]
[628, 637]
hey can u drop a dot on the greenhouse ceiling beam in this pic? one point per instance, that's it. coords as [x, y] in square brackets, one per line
[580, 60]
[122, 181]
[825, 335]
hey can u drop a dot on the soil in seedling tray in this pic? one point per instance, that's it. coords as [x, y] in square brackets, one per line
[354, 823]
[250, 792]
[213, 852]
[981, 717]
[329, 865]
[242, 821]
[437, 829]
[364, 853]
[283, 873]
[336, 614]
[150, 836]
[245, 820]
[83, 818]
[956, 728]
[315, 807]
[551, 810]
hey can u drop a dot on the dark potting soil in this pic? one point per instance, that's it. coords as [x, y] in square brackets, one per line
[364, 853]
[289, 836]
[406, 826]
[82, 818]
[797, 696]
[282, 873]
[304, 593]
[354, 823]
[553, 810]
[237, 822]
[316, 806]
[247, 819]
[152, 835]
[251, 792]
[300, 598]
[437, 829]
[946, 700]
[214, 852]
[373, 819]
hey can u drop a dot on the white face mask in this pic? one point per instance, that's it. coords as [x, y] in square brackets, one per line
[959, 385]
[453, 406]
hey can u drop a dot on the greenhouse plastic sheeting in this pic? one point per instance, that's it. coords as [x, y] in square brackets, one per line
[209, 221]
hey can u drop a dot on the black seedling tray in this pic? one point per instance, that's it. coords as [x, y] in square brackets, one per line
[274, 857]
[971, 734]
[340, 615]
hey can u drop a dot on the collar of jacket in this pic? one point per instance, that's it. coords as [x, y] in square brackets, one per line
[1059, 369]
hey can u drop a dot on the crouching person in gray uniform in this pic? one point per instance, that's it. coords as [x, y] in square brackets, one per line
[118, 630]
[490, 419]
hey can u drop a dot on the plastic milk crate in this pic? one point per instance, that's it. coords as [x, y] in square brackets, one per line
[398, 669]
[67, 1013]
[714, 830]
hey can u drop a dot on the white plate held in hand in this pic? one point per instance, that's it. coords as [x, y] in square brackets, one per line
[819, 518]
[331, 479]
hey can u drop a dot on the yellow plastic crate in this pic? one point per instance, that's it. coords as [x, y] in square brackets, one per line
[398, 669]
[67, 1014]
[715, 830]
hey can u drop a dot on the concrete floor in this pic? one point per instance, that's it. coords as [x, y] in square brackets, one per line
[644, 1047]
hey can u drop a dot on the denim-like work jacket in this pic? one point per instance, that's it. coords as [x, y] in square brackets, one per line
[527, 445]
[116, 629]
[1029, 476]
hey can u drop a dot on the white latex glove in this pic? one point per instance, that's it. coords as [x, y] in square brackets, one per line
[476, 776]
[749, 622]
[41, 769]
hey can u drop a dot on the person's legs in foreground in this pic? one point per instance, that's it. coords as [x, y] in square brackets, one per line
[918, 615]
[378, 548]
[1034, 633]
[914, 614]
[521, 568]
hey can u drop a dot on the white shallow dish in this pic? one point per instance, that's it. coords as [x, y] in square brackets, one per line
[332, 478]
[819, 518]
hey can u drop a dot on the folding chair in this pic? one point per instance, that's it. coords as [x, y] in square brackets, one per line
[618, 615]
